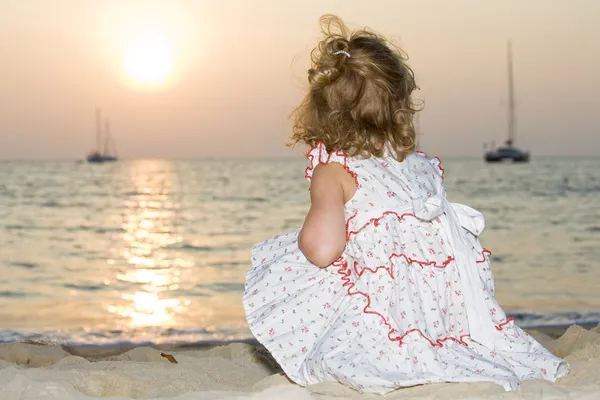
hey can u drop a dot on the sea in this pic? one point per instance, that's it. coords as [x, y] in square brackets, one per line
[156, 251]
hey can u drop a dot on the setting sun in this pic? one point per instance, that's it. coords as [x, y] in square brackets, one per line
[148, 60]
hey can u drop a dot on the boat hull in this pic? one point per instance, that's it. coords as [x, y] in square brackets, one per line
[96, 158]
[507, 153]
[493, 158]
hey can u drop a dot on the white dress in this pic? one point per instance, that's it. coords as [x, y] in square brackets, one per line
[410, 301]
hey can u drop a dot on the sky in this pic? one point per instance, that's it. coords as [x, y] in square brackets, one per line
[234, 70]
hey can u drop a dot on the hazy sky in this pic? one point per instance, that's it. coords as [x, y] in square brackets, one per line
[234, 80]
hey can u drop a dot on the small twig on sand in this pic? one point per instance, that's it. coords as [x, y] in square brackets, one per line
[169, 357]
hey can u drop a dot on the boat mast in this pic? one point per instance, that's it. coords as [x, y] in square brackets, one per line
[511, 99]
[98, 129]
[106, 137]
[113, 147]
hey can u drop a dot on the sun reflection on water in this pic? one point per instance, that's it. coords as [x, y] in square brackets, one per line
[150, 270]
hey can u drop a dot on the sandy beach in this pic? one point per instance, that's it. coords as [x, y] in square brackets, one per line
[244, 370]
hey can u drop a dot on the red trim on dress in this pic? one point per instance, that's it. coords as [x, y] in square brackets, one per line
[423, 264]
[503, 324]
[308, 171]
[374, 221]
[484, 252]
[388, 268]
[439, 165]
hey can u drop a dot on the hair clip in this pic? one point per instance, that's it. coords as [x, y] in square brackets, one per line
[344, 52]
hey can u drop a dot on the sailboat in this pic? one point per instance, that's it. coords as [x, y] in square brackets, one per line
[509, 152]
[109, 151]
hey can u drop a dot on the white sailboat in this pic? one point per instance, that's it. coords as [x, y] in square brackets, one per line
[509, 152]
[109, 151]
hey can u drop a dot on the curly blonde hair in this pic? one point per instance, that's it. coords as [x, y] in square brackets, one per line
[360, 95]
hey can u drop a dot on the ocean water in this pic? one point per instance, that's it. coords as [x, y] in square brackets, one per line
[157, 250]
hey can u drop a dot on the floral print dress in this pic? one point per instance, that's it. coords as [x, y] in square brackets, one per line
[410, 301]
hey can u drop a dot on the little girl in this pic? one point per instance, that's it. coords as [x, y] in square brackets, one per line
[386, 284]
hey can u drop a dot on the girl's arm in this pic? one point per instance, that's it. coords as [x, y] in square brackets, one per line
[323, 235]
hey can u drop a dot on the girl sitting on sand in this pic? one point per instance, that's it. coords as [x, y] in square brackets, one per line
[386, 284]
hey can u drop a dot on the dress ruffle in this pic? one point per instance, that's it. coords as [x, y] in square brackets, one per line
[319, 155]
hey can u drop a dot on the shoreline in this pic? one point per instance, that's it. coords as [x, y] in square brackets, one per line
[97, 352]
[552, 331]
[244, 369]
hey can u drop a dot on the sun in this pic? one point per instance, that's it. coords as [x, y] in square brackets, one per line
[148, 60]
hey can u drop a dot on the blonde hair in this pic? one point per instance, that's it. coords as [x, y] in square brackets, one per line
[360, 95]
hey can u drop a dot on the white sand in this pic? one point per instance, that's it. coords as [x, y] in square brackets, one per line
[237, 371]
